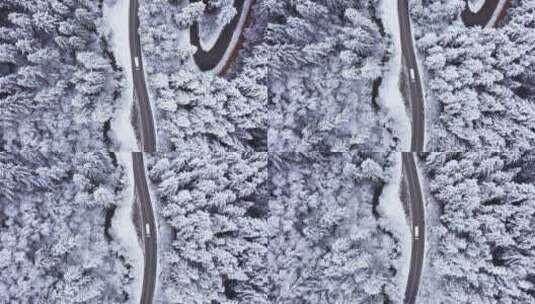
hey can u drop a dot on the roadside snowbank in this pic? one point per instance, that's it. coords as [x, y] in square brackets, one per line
[123, 228]
[208, 35]
[389, 93]
[391, 207]
[475, 5]
[116, 26]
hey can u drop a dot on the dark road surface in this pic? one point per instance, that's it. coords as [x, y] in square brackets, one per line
[148, 134]
[208, 59]
[418, 225]
[482, 17]
[410, 173]
[148, 228]
[415, 87]
[148, 140]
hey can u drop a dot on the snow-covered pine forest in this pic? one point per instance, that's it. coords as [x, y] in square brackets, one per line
[200, 111]
[482, 226]
[58, 79]
[307, 77]
[330, 244]
[274, 228]
[213, 212]
[55, 240]
[326, 62]
[480, 84]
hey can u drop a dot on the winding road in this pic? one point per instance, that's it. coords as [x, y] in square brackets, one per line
[148, 133]
[148, 140]
[487, 15]
[216, 58]
[417, 215]
[410, 172]
[416, 96]
[148, 228]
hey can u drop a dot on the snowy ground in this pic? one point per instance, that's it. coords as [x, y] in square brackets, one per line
[392, 208]
[475, 5]
[208, 34]
[116, 27]
[390, 93]
[123, 228]
[164, 241]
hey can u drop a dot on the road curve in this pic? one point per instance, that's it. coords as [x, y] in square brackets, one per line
[482, 17]
[211, 59]
[417, 214]
[416, 97]
[410, 173]
[148, 134]
[148, 228]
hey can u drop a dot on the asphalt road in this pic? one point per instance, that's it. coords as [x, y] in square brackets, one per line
[418, 225]
[208, 59]
[410, 173]
[148, 134]
[482, 17]
[148, 228]
[416, 97]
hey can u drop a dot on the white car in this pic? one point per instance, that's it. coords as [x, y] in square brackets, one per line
[147, 229]
[136, 63]
[413, 77]
[416, 233]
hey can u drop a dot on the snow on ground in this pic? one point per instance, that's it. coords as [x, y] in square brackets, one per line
[390, 206]
[123, 229]
[475, 5]
[235, 37]
[116, 27]
[208, 35]
[390, 93]
[165, 235]
[496, 14]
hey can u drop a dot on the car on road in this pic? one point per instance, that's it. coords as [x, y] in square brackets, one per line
[147, 229]
[413, 77]
[136, 63]
[416, 234]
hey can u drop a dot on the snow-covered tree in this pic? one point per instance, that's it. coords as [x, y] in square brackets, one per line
[481, 243]
[273, 228]
[479, 79]
[58, 82]
[54, 246]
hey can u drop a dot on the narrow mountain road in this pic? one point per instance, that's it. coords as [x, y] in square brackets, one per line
[148, 141]
[410, 173]
[416, 96]
[482, 16]
[417, 213]
[216, 58]
[148, 228]
[148, 133]
[488, 15]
